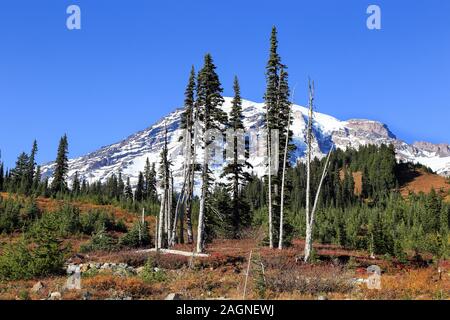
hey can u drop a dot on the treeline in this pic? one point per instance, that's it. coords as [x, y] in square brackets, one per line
[375, 218]
[25, 178]
[40, 250]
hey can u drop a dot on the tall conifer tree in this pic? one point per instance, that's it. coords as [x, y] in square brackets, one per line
[128, 190]
[209, 102]
[234, 171]
[139, 193]
[277, 117]
[59, 183]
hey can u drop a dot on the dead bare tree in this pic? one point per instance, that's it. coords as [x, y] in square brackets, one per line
[269, 176]
[165, 208]
[310, 215]
[161, 219]
[283, 177]
[186, 190]
[191, 174]
[156, 234]
[204, 191]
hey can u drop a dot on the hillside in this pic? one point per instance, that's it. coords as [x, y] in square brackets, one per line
[420, 180]
[338, 273]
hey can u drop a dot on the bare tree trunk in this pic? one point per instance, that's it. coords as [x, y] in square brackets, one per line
[156, 233]
[169, 205]
[181, 229]
[310, 223]
[324, 173]
[164, 213]
[310, 215]
[280, 240]
[177, 216]
[201, 214]
[190, 235]
[270, 191]
[161, 219]
[308, 239]
[182, 195]
[166, 206]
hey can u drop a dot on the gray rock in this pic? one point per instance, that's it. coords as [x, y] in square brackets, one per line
[87, 295]
[139, 270]
[38, 286]
[173, 296]
[55, 296]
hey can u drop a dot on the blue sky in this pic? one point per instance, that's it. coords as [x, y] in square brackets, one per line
[128, 65]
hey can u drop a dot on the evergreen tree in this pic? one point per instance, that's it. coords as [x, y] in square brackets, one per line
[19, 174]
[139, 193]
[59, 183]
[49, 254]
[37, 180]
[187, 116]
[272, 82]
[31, 168]
[150, 181]
[277, 106]
[84, 187]
[234, 171]
[128, 190]
[120, 186]
[76, 188]
[209, 101]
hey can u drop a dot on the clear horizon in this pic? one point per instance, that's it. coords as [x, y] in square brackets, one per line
[128, 65]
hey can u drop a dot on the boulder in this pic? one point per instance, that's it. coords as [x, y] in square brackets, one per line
[38, 286]
[139, 270]
[55, 296]
[84, 267]
[173, 296]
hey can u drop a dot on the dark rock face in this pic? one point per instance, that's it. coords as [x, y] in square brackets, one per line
[374, 129]
[441, 149]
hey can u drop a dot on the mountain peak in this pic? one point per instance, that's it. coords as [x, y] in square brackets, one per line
[130, 154]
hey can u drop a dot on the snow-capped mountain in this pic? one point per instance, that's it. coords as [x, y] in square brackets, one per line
[129, 155]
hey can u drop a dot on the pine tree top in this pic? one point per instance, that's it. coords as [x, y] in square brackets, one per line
[236, 117]
[209, 95]
[189, 100]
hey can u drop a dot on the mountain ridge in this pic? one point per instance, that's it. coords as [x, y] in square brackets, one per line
[129, 154]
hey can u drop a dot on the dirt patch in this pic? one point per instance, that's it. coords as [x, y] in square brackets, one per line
[421, 181]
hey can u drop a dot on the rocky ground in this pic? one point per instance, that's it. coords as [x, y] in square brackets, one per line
[336, 274]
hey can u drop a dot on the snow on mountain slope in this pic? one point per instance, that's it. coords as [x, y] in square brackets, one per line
[129, 155]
